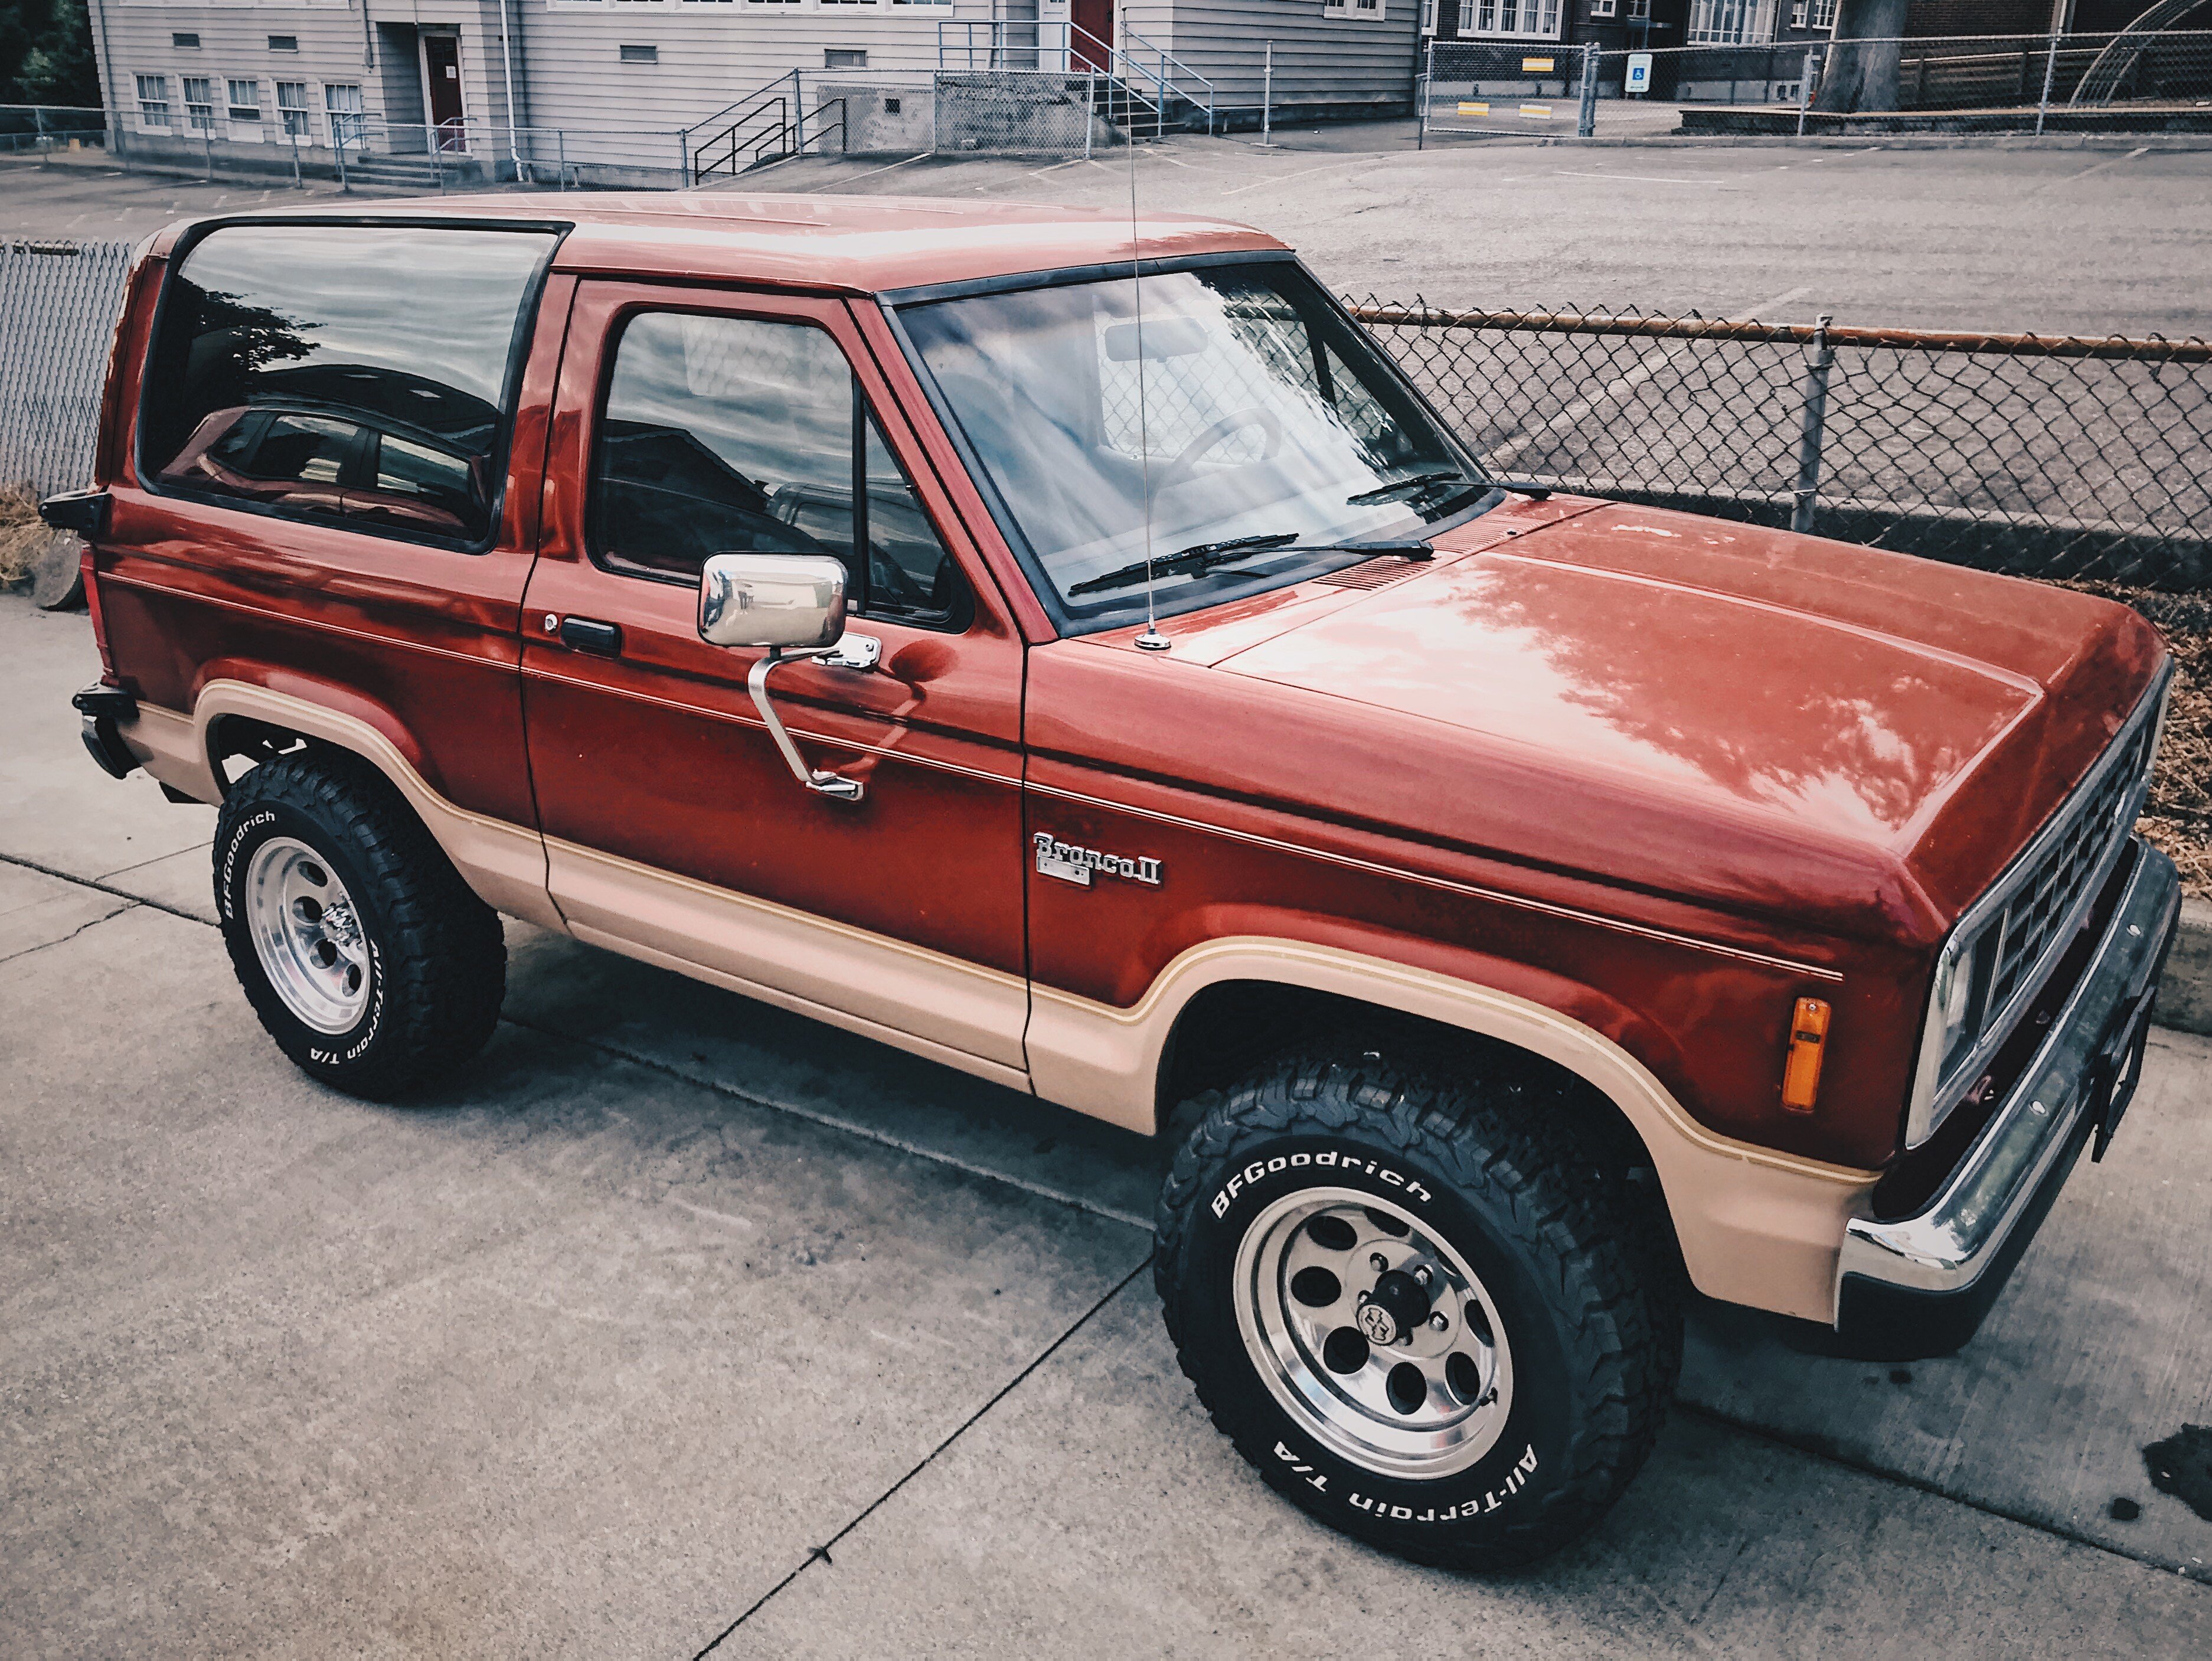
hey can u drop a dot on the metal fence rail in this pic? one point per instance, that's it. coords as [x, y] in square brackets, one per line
[59, 303]
[2044, 456]
[2142, 82]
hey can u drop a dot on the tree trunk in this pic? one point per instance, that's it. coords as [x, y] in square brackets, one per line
[1862, 71]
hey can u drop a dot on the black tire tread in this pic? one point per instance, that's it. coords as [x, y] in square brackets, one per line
[1506, 1137]
[444, 954]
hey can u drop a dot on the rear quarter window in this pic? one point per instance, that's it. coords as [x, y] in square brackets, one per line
[357, 375]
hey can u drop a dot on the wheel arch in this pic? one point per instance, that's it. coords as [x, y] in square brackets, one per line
[503, 863]
[1755, 1226]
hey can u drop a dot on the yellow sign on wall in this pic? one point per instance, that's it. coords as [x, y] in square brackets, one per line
[1466, 108]
[1537, 65]
[1537, 112]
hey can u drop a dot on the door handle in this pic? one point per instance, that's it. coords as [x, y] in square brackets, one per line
[590, 634]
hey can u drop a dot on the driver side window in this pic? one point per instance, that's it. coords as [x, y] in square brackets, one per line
[730, 435]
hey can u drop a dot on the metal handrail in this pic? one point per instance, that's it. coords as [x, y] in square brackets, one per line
[1124, 70]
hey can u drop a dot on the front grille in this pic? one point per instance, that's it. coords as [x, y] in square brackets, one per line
[2052, 891]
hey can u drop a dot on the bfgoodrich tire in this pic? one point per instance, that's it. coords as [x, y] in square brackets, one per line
[368, 958]
[1419, 1303]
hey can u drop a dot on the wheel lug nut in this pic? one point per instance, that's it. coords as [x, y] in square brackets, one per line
[1439, 1321]
[1423, 1276]
[1377, 1261]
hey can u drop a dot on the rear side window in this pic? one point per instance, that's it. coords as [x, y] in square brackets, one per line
[357, 375]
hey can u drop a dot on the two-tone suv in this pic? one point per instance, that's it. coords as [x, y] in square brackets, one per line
[1069, 649]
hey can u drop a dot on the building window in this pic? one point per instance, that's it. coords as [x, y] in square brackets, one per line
[199, 103]
[153, 101]
[843, 58]
[342, 105]
[1813, 15]
[1601, 7]
[1367, 11]
[1538, 18]
[1730, 22]
[246, 100]
[284, 43]
[1428, 17]
[184, 40]
[292, 107]
[640, 54]
[1639, 8]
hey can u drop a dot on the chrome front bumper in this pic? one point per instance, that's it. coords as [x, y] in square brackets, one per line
[1920, 1285]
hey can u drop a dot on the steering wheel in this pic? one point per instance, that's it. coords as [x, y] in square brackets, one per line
[1187, 459]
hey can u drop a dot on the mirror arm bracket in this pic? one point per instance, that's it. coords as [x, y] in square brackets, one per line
[834, 786]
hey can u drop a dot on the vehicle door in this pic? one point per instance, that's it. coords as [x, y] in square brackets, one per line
[692, 422]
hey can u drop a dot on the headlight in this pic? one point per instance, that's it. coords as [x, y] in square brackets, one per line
[1949, 1033]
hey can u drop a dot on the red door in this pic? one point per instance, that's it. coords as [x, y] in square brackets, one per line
[1094, 33]
[441, 65]
[688, 423]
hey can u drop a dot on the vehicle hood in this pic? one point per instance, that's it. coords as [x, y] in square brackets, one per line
[1744, 715]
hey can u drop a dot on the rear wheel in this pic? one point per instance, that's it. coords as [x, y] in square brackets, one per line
[368, 958]
[1419, 1305]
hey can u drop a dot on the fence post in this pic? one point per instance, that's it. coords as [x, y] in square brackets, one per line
[1428, 90]
[337, 149]
[207, 143]
[1586, 120]
[2050, 71]
[561, 138]
[1805, 81]
[1268, 98]
[295, 137]
[684, 150]
[1090, 107]
[1804, 499]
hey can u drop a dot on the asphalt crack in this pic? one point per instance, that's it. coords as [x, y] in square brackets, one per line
[104, 916]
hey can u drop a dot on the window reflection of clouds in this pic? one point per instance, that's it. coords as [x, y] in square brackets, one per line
[772, 400]
[1035, 380]
[437, 303]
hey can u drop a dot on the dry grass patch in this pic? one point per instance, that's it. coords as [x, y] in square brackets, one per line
[2178, 818]
[21, 535]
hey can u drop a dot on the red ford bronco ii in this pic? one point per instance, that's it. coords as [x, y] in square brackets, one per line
[1071, 651]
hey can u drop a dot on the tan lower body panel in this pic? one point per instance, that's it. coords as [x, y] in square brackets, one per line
[1756, 1227]
[900, 993]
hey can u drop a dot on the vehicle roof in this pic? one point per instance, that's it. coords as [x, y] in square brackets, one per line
[857, 245]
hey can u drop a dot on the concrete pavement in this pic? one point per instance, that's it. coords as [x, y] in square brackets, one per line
[677, 1312]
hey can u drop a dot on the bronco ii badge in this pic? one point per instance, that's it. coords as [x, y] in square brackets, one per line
[1069, 863]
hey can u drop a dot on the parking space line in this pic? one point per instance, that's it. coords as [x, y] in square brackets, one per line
[1302, 172]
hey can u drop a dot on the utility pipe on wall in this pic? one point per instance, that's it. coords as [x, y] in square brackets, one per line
[507, 60]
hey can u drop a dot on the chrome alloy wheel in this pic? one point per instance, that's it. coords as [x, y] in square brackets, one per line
[307, 936]
[1372, 1333]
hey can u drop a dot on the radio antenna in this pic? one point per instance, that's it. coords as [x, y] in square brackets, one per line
[1152, 640]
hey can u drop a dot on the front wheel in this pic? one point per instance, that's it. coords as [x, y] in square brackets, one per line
[1422, 1308]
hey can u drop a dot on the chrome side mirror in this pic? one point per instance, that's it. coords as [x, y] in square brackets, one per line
[791, 606]
[780, 602]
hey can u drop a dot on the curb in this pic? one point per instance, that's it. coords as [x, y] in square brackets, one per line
[2185, 996]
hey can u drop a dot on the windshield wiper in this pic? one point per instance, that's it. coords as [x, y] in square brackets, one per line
[1414, 484]
[1194, 561]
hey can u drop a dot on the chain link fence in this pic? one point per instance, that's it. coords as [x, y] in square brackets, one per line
[2122, 83]
[2043, 456]
[59, 303]
[2046, 456]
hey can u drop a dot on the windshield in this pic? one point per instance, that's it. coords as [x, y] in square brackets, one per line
[1270, 432]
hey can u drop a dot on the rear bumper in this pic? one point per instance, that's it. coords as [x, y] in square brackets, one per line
[102, 707]
[1919, 1285]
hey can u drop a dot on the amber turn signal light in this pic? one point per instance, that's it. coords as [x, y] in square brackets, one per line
[1800, 1074]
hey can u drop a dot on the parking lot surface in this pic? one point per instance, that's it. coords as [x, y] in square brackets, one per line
[2056, 240]
[680, 1322]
